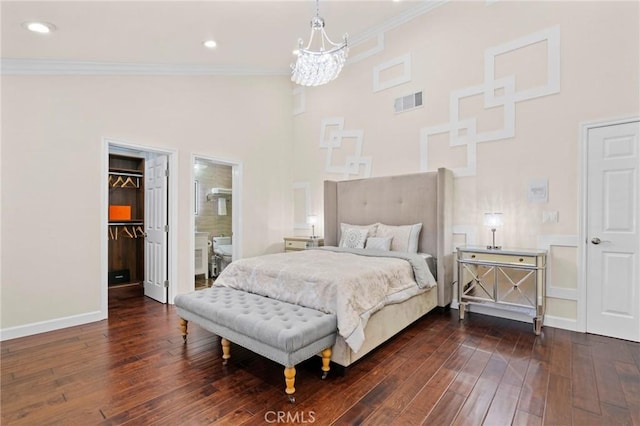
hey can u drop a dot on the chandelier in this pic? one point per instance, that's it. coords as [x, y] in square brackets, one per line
[316, 67]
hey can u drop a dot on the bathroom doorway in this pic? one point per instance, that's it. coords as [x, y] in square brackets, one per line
[216, 185]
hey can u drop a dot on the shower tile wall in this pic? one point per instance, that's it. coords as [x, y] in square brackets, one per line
[207, 219]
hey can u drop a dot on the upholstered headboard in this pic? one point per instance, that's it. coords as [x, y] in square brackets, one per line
[425, 198]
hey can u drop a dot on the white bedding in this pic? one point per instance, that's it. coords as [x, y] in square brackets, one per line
[350, 285]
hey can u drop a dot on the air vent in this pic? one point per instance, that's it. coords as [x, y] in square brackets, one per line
[407, 103]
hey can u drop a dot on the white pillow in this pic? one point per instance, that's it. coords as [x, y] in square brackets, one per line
[353, 238]
[371, 230]
[404, 238]
[379, 243]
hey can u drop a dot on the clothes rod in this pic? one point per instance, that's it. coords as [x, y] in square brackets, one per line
[126, 174]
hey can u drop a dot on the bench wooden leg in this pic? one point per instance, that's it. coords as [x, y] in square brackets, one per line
[326, 359]
[183, 329]
[226, 350]
[290, 379]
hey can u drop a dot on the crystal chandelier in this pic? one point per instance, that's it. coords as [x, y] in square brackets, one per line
[316, 67]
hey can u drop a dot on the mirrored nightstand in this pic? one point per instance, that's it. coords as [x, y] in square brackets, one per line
[512, 279]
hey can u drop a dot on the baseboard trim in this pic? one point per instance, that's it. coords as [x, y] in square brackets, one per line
[497, 312]
[549, 320]
[560, 322]
[50, 325]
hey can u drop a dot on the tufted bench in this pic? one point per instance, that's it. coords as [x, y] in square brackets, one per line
[283, 332]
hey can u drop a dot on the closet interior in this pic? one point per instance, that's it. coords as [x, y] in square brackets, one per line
[126, 221]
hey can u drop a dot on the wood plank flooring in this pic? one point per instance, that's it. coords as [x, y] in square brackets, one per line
[134, 369]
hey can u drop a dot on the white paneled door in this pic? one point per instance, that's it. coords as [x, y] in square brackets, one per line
[156, 221]
[613, 240]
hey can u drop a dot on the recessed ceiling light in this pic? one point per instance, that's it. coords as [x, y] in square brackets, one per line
[39, 27]
[210, 44]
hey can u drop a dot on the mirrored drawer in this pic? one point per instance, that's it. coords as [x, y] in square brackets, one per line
[499, 258]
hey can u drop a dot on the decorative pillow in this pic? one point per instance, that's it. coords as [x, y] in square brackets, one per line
[371, 230]
[353, 238]
[404, 238]
[379, 243]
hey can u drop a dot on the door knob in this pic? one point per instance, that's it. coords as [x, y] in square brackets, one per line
[596, 240]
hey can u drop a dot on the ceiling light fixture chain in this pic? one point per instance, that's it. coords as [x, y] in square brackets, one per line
[316, 67]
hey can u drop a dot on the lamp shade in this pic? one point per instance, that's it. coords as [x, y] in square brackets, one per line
[493, 220]
[312, 219]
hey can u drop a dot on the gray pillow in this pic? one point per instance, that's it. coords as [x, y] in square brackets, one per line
[379, 243]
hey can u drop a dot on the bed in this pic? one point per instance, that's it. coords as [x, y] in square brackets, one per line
[423, 200]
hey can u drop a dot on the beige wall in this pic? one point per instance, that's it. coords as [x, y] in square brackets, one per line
[599, 73]
[52, 133]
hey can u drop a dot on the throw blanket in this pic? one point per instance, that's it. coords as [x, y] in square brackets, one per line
[352, 286]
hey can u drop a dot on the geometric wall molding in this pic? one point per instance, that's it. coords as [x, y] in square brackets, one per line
[469, 232]
[507, 86]
[332, 136]
[451, 128]
[496, 93]
[378, 31]
[377, 48]
[300, 213]
[299, 100]
[552, 37]
[404, 61]
[545, 242]
[329, 125]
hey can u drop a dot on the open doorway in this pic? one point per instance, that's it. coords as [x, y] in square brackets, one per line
[215, 217]
[139, 253]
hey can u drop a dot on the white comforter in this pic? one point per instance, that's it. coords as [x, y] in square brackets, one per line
[349, 285]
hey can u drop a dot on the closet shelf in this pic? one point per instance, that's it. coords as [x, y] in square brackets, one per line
[125, 172]
[125, 222]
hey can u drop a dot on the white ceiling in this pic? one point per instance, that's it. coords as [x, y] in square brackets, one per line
[258, 35]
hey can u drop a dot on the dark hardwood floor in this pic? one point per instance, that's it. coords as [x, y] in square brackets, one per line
[135, 369]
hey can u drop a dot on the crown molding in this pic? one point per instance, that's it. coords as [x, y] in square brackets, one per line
[397, 21]
[17, 66]
[11, 66]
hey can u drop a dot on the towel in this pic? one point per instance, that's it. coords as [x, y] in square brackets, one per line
[222, 207]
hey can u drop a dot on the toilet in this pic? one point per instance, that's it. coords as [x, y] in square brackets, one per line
[222, 251]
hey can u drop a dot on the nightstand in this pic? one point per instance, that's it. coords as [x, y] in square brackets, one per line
[512, 279]
[302, 243]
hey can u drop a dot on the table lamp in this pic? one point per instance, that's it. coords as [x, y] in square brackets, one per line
[312, 220]
[493, 221]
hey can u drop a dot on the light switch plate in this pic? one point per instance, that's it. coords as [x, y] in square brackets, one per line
[550, 216]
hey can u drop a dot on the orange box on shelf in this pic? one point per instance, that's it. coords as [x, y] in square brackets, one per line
[119, 212]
